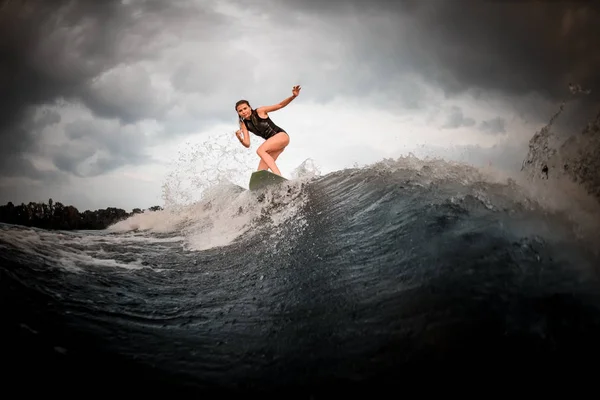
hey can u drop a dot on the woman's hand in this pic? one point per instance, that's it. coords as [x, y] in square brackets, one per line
[296, 90]
[239, 135]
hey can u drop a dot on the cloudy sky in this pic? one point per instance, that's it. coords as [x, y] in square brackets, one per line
[107, 103]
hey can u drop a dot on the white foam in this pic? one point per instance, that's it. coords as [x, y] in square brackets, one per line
[56, 248]
[230, 220]
[306, 170]
[22, 238]
[224, 213]
[161, 221]
[75, 259]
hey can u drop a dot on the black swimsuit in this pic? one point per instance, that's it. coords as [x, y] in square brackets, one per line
[263, 127]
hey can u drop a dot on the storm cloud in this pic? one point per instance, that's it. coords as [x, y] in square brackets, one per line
[493, 126]
[83, 52]
[512, 47]
[456, 119]
[89, 86]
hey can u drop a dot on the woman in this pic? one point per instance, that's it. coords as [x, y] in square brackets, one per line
[258, 122]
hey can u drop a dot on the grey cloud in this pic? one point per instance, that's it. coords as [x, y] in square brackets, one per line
[47, 118]
[20, 142]
[198, 75]
[333, 53]
[187, 78]
[515, 48]
[37, 191]
[494, 126]
[127, 94]
[74, 131]
[456, 119]
[504, 157]
[17, 166]
[97, 147]
[77, 51]
[210, 85]
[67, 51]
[69, 161]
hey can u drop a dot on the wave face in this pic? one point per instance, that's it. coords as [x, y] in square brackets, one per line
[352, 281]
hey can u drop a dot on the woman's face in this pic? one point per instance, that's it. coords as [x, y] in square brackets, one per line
[244, 111]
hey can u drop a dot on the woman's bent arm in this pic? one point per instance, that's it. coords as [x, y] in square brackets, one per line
[245, 136]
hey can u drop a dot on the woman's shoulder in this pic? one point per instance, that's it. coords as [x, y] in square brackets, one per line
[260, 111]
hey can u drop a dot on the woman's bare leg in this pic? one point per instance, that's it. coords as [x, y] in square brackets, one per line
[272, 145]
[262, 165]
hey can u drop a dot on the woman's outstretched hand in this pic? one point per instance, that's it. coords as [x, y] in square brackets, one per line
[296, 90]
[239, 135]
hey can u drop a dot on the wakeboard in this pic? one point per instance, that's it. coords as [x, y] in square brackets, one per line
[264, 178]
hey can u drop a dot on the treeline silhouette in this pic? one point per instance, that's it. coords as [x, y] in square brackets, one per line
[58, 216]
